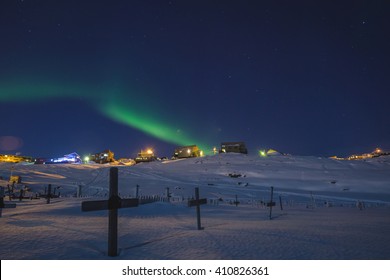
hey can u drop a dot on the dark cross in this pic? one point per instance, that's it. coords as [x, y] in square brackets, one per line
[271, 203]
[236, 202]
[197, 202]
[112, 205]
[2, 204]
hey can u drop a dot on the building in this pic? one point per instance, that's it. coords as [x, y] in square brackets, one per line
[103, 157]
[15, 158]
[70, 158]
[145, 156]
[233, 147]
[187, 152]
[376, 153]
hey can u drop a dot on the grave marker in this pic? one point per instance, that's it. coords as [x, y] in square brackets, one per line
[271, 203]
[236, 202]
[197, 202]
[2, 204]
[48, 194]
[112, 205]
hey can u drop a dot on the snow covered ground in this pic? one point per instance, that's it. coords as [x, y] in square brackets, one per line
[319, 219]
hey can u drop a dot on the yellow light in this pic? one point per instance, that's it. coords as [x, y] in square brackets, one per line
[86, 159]
[188, 151]
[201, 153]
[149, 151]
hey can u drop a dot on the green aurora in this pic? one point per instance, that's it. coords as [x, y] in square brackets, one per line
[112, 103]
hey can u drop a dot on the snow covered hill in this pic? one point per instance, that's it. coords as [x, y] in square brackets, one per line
[318, 218]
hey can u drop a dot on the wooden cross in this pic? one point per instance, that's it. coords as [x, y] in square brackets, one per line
[112, 205]
[236, 202]
[271, 203]
[168, 194]
[197, 202]
[2, 204]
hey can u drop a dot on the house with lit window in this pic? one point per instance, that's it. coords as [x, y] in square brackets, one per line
[103, 157]
[70, 158]
[187, 152]
[233, 147]
[145, 156]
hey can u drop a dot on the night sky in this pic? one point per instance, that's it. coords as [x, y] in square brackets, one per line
[301, 77]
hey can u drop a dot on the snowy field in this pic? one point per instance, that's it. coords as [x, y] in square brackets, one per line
[319, 219]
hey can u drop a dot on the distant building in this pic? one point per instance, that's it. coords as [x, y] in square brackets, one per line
[233, 147]
[40, 160]
[103, 157]
[70, 158]
[376, 153]
[15, 158]
[145, 156]
[187, 152]
[272, 152]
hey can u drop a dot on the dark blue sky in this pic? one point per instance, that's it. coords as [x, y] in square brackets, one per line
[301, 77]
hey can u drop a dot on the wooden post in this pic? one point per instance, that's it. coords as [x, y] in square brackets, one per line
[137, 191]
[21, 195]
[168, 194]
[271, 203]
[197, 209]
[113, 214]
[280, 201]
[236, 202]
[197, 202]
[79, 191]
[48, 194]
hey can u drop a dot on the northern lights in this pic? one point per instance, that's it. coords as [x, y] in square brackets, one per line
[147, 124]
[112, 103]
